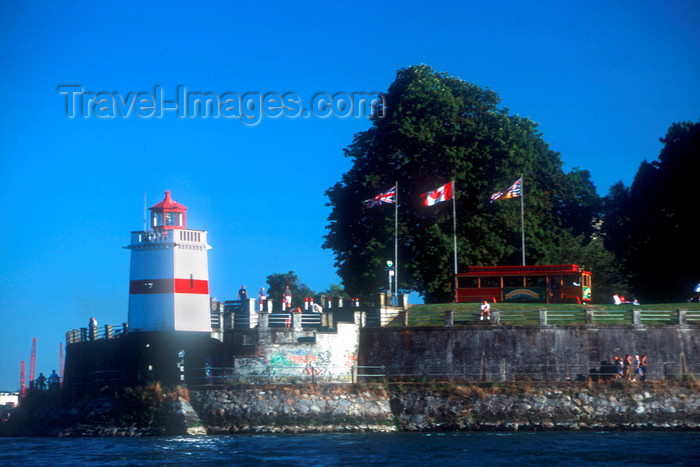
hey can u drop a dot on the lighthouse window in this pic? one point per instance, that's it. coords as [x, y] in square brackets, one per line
[173, 218]
[157, 219]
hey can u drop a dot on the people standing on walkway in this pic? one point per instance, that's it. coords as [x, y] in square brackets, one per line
[627, 363]
[287, 297]
[637, 368]
[262, 296]
[243, 293]
[618, 367]
[41, 382]
[54, 381]
[92, 329]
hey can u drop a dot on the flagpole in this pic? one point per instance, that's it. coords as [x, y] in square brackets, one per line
[396, 239]
[522, 215]
[454, 232]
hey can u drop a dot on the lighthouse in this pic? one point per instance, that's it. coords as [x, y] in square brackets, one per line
[169, 280]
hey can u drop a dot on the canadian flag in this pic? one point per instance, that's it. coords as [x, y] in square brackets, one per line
[444, 193]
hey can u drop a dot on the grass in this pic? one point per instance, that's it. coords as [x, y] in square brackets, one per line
[474, 307]
[558, 314]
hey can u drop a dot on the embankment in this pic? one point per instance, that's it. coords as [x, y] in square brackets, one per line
[344, 408]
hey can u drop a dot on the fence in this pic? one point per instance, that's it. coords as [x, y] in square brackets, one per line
[537, 317]
[487, 372]
[271, 374]
[285, 320]
[94, 333]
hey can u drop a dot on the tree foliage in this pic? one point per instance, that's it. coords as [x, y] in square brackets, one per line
[278, 281]
[438, 128]
[651, 225]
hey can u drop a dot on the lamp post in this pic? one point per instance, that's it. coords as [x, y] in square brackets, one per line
[390, 269]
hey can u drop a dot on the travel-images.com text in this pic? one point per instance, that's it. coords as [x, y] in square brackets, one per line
[250, 107]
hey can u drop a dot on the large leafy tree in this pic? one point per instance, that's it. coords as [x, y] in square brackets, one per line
[278, 281]
[651, 226]
[436, 128]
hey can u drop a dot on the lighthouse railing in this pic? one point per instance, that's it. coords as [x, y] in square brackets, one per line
[108, 331]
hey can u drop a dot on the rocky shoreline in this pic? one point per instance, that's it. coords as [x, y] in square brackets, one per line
[362, 408]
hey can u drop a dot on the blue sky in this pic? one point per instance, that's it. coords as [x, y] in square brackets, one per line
[604, 81]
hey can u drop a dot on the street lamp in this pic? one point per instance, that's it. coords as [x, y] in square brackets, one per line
[390, 269]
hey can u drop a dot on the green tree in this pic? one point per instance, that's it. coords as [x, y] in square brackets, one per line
[336, 290]
[651, 225]
[608, 278]
[436, 128]
[276, 284]
[578, 202]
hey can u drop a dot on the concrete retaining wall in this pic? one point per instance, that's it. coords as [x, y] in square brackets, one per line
[499, 353]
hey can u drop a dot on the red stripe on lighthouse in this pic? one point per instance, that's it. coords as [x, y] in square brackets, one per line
[191, 286]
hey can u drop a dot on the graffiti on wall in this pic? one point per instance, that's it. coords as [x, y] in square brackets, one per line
[291, 363]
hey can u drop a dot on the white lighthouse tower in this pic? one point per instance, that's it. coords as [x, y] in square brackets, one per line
[169, 287]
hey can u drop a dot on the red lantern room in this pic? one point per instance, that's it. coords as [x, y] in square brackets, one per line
[168, 215]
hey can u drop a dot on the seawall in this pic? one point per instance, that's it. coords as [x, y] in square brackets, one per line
[572, 406]
[616, 405]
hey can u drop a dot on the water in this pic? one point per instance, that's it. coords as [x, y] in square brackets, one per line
[445, 449]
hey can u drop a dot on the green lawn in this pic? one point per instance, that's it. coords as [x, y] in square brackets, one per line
[553, 306]
[557, 314]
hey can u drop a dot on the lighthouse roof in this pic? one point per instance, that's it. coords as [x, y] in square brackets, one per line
[168, 203]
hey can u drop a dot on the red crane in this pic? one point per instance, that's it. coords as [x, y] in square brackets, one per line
[32, 361]
[22, 387]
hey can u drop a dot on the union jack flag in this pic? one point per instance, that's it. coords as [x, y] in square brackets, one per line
[513, 191]
[387, 197]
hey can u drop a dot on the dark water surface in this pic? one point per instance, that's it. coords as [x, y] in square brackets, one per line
[493, 449]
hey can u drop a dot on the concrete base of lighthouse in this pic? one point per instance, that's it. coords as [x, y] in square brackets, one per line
[137, 358]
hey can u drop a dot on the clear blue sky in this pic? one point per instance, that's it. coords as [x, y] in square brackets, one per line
[604, 81]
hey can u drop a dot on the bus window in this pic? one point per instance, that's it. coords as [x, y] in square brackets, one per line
[535, 281]
[514, 281]
[572, 281]
[490, 282]
[467, 283]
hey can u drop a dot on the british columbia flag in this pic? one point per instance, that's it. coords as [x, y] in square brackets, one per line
[387, 197]
[513, 191]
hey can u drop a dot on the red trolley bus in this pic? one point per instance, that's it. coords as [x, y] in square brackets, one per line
[556, 283]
